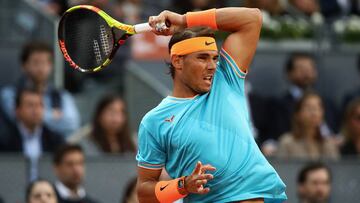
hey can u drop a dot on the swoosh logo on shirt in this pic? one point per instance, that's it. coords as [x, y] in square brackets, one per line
[162, 188]
[208, 43]
[170, 119]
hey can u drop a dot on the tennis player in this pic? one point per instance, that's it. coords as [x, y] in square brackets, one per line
[201, 134]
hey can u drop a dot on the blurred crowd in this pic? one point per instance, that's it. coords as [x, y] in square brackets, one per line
[37, 118]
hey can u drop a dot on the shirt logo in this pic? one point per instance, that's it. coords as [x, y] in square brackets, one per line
[170, 119]
[208, 43]
[162, 188]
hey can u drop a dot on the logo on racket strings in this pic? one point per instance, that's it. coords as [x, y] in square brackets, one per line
[97, 52]
[66, 55]
[104, 40]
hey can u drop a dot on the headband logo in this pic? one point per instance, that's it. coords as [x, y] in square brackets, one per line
[208, 43]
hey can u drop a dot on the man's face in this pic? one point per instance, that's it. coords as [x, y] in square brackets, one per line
[304, 73]
[196, 70]
[38, 66]
[316, 188]
[31, 109]
[71, 170]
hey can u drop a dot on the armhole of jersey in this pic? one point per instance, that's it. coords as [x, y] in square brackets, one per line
[240, 73]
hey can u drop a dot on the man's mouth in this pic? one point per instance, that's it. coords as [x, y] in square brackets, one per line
[208, 77]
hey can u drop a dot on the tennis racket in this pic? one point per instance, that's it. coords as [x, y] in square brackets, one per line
[89, 38]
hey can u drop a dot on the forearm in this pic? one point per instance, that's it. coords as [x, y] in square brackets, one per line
[146, 191]
[233, 19]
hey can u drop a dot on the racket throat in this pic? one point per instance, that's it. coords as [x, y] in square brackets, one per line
[120, 36]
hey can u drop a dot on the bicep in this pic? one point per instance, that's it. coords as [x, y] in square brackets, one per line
[241, 45]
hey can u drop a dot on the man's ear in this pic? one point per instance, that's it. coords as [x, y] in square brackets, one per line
[177, 62]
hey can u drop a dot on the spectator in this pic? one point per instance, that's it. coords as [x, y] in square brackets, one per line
[109, 132]
[337, 8]
[273, 7]
[70, 171]
[40, 191]
[129, 11]
[351, 129]
[183, 6]
[301, 73]
[61, 114]
[130, 195]
[29, 134]
[302, 8]
[54, 7]
[305, 139]
[314, 184]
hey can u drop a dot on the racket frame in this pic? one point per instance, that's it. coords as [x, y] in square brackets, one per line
[128, 29]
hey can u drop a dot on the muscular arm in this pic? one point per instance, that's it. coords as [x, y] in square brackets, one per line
[147, 180]
[245, 25]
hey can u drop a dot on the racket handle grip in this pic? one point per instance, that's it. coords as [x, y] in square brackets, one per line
[142, 27]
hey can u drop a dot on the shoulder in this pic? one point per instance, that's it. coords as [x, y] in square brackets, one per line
[90, 147]
[52, 135]
[329, 143]
[157, 114]
[80, 134]
[286, 139]
[8, 91]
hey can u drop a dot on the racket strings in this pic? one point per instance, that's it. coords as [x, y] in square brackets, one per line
[88, 38]
[104, 38]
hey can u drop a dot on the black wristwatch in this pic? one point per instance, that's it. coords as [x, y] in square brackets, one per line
[181, 186]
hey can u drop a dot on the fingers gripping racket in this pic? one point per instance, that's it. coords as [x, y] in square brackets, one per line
[89, 38]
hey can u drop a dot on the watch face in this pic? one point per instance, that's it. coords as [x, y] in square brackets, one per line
[181, 183]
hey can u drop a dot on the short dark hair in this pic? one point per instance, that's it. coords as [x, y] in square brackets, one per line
[188, 33]
[62, 151]
[304, 172]
[20, 93]
[293, 57]
[33, 47]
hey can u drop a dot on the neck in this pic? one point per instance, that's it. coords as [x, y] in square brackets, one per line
[41, 87]
[29, 127]
[111, 136]
[182, 90]
[310, 134]
[73, 189]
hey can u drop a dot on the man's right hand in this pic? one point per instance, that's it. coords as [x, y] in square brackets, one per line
[195, 182]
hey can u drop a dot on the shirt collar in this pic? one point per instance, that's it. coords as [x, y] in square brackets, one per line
[26, 134]
[296, 92]
[66, 193]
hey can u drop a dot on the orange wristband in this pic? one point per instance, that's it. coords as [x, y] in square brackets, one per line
[202, 18]
[167, 191]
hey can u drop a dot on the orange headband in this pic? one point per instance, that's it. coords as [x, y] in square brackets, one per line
[193, 45]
